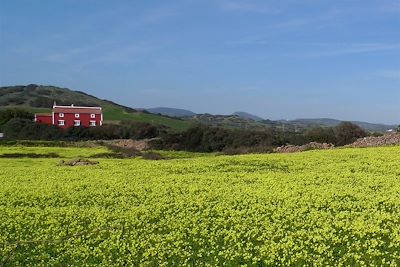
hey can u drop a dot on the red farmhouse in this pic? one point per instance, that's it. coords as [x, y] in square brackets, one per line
[69, 116]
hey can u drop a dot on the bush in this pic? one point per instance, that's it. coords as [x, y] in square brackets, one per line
[347, 132]
[17, 128]
[11, 113]
[216, 139]
[321, 135]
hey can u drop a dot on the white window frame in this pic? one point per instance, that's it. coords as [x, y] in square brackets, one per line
[92, 116]
[92, 123]
[77, 123]
[61, 122]
[61, 115]
[77, 115]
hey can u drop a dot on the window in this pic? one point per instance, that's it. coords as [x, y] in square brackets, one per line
[92, 123]
[61, 123]
[77, 123]
[76, 115]
[61, 115]
[92, 116]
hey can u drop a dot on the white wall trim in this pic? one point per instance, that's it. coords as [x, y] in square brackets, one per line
[76, 107]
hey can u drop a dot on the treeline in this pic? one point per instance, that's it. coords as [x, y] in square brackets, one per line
[18, 125]
[209, 139]
[343, 134]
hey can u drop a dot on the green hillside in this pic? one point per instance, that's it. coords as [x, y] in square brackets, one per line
[229, 122]
[39, 98]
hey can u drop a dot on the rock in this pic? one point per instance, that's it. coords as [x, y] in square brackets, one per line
[310, 146]
[372, 141]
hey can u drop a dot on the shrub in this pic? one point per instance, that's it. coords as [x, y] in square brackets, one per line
[11, 113]
[347, 132]
[321, 135]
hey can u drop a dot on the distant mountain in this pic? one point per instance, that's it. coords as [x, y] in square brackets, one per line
[245, 115]
[308, 123]
[172, 112]
[298, 125]
[40, 98]
[229, 121]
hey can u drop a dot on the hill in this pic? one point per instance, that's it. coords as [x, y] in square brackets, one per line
[299, 125]
[40, 98]
[373, 127]
[229, 121]
[248, 116]
[172, 112]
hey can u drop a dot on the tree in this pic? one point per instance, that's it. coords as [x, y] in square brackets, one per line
[321, 135]
[347, 132]
[18, 128]
[10, 113]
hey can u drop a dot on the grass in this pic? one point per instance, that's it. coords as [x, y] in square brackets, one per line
[117, 114]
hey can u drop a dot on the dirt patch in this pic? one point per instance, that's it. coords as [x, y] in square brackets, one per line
[310, 146]
[77, 162]
[152, 156]
[372, 141]
[139, 145]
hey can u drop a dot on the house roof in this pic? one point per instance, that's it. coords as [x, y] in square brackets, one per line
[80, 110]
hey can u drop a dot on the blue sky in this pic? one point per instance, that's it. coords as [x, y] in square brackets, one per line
[277, 59]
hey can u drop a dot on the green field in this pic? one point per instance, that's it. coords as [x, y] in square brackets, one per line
[117, 114]
[318, 208]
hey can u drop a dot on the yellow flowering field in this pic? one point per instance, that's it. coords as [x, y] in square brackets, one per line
[318, 208]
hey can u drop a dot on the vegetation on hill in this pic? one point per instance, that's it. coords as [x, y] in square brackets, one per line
[247, 122]
[248, 116]
[39, 98]
[229, 121]
[173, 112]
[310, 123]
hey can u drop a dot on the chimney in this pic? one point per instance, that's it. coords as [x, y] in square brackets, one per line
[54, 104]
[72, 105]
